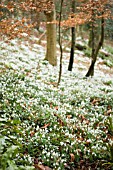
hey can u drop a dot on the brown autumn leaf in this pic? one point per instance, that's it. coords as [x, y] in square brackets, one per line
[42, 167]
[61, 122]
[69, 116]
[45, 126]
[47, 168]
[87, 121]
[51, 105]
[56, 107]
[87, 143]
[72, 157]
[95, 101]
[109, 112]
[32, 133]
[39, 167]
[80, 138]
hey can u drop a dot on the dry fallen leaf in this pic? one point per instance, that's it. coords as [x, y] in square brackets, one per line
[32, 133]
[42, 167]
[72, 157]
[47, 168]
[39, 167]
[45, 126]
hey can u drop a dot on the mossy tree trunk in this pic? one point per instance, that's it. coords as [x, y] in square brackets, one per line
[51, 37]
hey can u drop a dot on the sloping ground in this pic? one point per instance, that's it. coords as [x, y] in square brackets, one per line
[41, 126]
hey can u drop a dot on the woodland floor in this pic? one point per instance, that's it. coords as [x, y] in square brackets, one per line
[64, 128]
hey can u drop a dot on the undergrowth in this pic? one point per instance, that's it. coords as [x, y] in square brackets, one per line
[69, 127]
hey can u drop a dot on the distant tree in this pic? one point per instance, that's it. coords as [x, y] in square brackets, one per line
[95, 50]
[98, 13]
[73, 38]
[95, 13]
[109, 23]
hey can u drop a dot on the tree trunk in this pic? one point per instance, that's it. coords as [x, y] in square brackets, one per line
[96, 51]
[96, 37]
[72, 41]
[35, 19]
[60, 43]
[72, 50]
[51, 38]
[92, 43]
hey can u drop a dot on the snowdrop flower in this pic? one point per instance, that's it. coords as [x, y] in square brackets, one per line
[61, 143]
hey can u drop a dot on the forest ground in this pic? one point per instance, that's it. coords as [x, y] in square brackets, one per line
[42, 126]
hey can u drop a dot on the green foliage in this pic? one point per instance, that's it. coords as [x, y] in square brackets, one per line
[108, 63]
[110, 149]
[109, 124]
[87, 52]
[107, 60]
[109, 49]
[108, 83]
[6, 159]
[109, 29]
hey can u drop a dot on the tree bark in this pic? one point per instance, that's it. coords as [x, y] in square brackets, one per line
[60, 44]
[51, 37]
[72, 41]
[96, 51]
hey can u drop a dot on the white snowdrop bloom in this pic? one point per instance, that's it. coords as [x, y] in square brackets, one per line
[66, 133]
[53, 134]
[44, 152]
[55, 126]
[57, 154]
[48, 137]
[43, 135]
[93, 153]
[71, 135]
[61, 161]
[40, 93]
[30, 159]
[54, 154]
[46, 130]
[50, 129]
[48, 154]
[110, 141]
[104, 148]
[73, 143]
[37, 128]
[61, 143]
[66, 149]
[63, 155]
[89, 141]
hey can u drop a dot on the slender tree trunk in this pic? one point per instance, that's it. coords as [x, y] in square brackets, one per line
[72, 41]
[91, 68]
[51, 37]
[60, 44]
[96, 51]
[72, 50]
